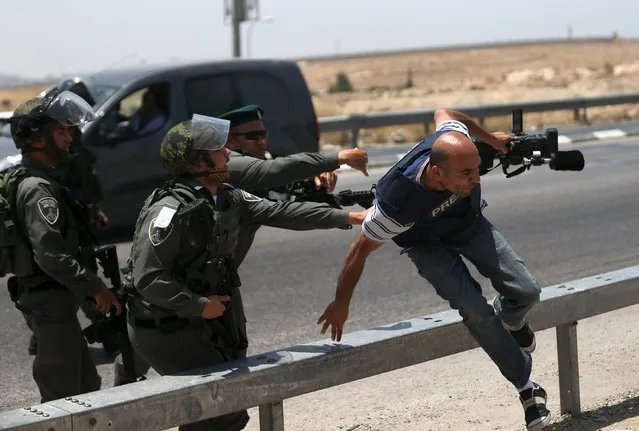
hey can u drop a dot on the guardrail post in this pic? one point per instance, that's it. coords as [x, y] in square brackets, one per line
[272, 416]
[568, 363]
[580, 115]
[354, 138]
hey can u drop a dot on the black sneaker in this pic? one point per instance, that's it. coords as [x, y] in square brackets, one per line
[525, 337]
[534, 403]
[33, 345]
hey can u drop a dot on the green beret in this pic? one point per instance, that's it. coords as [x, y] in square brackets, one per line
[243, 115]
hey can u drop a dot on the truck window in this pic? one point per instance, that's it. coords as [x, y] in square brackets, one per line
[140, 113]
[209, 95]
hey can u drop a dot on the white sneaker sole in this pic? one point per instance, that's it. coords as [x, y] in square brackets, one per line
[543, 423]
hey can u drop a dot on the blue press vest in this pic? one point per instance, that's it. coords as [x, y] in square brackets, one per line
[434, 214]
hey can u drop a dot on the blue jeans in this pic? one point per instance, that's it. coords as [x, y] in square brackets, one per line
[440, 263]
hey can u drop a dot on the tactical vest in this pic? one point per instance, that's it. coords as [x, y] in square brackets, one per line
[16, 255]
[405, 201]
[214, 231]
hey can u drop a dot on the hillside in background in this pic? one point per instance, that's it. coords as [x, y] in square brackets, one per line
[462, 76]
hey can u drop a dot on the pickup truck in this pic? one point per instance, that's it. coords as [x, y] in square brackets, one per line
[135, 108]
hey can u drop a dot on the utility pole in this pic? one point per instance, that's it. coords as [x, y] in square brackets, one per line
[238, 15]
[235, 13]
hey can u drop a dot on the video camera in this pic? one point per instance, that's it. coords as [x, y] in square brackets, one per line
[529, 150]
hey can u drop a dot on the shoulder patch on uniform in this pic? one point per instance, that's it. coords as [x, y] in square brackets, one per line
[157, 234]
[49, 209]
[250, 197]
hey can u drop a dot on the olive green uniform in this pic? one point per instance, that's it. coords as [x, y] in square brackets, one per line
[257, 176]
[50, 296]
[180, 255]
[77, 174]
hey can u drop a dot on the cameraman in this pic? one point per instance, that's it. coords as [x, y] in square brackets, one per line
[429, 203]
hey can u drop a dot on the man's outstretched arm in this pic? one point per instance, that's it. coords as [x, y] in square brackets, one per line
[251, 174]
[336, 312]
[378, 228]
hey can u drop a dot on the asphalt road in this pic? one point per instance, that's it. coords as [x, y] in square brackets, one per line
[565, 225]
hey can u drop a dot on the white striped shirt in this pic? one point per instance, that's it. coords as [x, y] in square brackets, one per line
[453, 126]
[379, 227]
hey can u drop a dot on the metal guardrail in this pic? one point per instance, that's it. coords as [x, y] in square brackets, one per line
[355, 122]
[266, 380]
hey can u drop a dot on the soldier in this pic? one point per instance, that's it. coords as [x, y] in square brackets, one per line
[81, 177]
[77, 174]
[48, 287]
[252, 169]
[186, 310]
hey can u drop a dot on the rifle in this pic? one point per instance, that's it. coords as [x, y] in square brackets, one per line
[305, 190]
[225, 326]
[110, 325]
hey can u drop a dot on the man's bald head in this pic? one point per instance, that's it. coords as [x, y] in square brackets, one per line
[450, 147]
[454, 164]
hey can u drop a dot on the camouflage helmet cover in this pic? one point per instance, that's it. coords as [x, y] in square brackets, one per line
[182, 143]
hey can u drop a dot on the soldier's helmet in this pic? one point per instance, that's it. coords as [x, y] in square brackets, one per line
[81, 86]
[184, 143]
[30, 118]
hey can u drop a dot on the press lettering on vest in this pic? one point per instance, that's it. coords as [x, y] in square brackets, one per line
[158, 234]
[444, 206]
[48, 208]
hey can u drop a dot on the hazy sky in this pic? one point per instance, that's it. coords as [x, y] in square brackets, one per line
[43, 37]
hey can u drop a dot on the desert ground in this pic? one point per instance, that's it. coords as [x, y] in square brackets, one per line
[464, 78]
